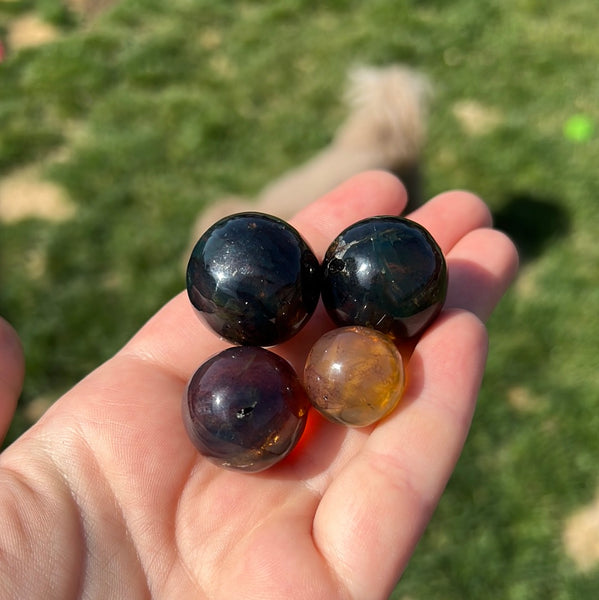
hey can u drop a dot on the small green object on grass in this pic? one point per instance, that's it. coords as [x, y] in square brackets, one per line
[579, 128]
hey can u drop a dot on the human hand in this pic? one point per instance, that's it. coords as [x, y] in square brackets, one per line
[105, 497]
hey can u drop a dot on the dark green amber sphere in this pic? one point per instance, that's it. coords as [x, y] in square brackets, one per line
[386, 273]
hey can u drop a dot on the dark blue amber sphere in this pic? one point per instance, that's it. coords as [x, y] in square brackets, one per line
[253, 279]
[386, 273]
[245, 408]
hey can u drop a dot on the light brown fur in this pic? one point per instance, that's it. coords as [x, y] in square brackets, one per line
[385, 129]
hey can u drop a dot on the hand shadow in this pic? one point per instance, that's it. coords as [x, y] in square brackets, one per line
[532, 222]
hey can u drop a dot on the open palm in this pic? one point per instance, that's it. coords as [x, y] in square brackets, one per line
[105, 497]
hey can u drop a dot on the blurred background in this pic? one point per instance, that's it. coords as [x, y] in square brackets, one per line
[120, 121]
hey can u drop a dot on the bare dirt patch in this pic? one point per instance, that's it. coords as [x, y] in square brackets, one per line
[475, 118]
[29, 30]
[524, 400]
[89, 8]
[581, 536]
[24, 194]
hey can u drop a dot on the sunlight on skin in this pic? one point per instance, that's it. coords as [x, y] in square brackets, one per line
[135, 510]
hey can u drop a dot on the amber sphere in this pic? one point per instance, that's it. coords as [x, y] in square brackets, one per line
[354, 376]
[387, 273]
[245, 408]
[253, 279]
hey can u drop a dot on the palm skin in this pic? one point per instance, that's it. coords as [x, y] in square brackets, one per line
[105, 497]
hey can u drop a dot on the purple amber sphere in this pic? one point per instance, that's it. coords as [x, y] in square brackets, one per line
[245, 408]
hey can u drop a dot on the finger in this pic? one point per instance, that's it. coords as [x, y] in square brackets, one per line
[177, 340]
[451, 215]
[366, 195]
[12, 369]
[481, 266]
[372, 515]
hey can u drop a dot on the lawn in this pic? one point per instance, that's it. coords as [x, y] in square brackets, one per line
[154, 109]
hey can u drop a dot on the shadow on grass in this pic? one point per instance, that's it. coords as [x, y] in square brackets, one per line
[532, 222]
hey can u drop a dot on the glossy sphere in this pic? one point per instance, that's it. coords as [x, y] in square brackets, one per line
[245, 408]
[253, 279]
[387, 273]
[354, 376]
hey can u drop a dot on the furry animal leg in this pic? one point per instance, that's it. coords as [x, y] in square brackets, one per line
[385, 129]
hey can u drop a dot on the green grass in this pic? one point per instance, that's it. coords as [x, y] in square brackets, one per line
[160, 108]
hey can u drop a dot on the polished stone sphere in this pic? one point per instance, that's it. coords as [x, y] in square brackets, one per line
[253, 279]
[245, 408]
[354, 376]
[387, 273]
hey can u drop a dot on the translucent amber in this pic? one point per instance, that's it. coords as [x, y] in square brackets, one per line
[245, 408]
[354, 376]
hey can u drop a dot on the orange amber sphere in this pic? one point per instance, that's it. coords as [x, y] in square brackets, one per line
[354, 376]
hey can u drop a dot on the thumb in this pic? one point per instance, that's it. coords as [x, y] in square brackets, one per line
[12, 370]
